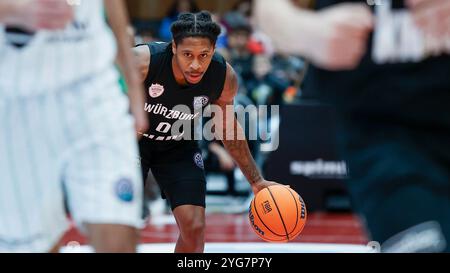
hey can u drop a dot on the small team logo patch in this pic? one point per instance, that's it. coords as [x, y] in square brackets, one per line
[124, 190]
[155, 90]
[200, 102]
[198, 159]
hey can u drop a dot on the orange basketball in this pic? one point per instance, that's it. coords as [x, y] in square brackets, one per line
[277, 214]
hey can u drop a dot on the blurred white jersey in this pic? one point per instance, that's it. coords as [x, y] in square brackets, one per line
[397, 39]
[51, 60]
[61, 113]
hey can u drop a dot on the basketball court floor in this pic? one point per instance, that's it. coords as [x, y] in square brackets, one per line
[228, 231]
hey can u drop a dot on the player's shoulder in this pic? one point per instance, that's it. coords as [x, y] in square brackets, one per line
[158, 47]
[154, 48]
[218, 66]
[219, 59]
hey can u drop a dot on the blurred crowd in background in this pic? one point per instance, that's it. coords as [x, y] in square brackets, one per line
[266, 77]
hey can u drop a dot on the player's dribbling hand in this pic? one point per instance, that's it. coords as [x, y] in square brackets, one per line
[340, 40]
[36, 15]
[262, 184]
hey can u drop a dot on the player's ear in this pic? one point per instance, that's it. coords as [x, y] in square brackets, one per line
[174, 47]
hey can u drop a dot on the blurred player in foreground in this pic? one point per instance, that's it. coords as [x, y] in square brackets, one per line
[65, 125]
[385, 66]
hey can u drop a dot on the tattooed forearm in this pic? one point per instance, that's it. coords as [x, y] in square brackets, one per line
[232, 135]
[240, 152]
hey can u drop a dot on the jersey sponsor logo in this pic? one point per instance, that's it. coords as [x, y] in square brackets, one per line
[198, 159]
[75, 32]
[155, 90]
[124, 190]
[200, 102]
[159, 109]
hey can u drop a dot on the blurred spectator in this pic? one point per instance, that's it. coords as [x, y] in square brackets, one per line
[239, 54]
[276, 79]
[259, 41]
[286, 76]
[218, 160]
[244, 7]
[221, 42]
[265, 77]
[178, 7]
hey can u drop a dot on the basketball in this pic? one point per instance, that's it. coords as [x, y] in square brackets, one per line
[277, 214]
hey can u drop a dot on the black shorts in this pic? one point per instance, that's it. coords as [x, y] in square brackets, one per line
[179, 172]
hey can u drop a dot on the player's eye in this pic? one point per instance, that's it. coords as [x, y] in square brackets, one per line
[204, 55]
[187, 55]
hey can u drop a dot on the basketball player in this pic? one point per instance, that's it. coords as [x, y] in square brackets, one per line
[64, 124]
[188, 72]
[385, 68]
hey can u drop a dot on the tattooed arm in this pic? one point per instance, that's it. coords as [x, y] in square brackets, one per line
[232, 135]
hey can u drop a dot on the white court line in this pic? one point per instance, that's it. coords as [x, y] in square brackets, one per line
[244, 248]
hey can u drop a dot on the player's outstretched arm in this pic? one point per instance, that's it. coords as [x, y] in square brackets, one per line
[7, 8]
[33, 15]
[334, 38]
[232, 134]
[118, 20]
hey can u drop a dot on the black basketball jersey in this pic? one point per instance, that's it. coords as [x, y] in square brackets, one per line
[405, 89]
[173, 108]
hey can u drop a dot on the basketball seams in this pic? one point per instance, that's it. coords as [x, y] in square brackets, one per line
[302, 202]
[279, 213]
[272, 219]
[296, 206]
[257, 214]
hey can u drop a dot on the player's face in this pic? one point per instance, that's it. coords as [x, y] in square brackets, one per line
[193, 56]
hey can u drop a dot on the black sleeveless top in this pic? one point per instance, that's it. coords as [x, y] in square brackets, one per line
[409, 90]
[172, 108]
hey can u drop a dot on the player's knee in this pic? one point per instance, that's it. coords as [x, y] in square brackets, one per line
[194, 231]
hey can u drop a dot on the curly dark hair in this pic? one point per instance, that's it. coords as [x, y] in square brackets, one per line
[195, 25]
